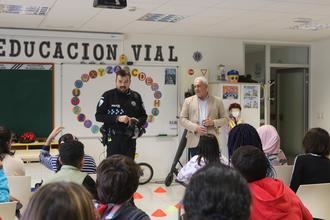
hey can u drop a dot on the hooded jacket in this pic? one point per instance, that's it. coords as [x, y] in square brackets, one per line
[272, 199]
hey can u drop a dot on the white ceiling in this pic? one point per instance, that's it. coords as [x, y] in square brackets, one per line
[246, 19]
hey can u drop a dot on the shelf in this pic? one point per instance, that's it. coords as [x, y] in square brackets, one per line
[29, 152]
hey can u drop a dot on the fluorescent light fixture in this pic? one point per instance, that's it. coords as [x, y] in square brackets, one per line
[24, 10]
[307, 24]
[161, 18]
[310, 27]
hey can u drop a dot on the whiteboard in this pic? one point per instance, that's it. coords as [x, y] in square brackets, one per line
[82, 85]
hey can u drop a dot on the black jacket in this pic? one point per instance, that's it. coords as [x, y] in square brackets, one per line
[114, 103]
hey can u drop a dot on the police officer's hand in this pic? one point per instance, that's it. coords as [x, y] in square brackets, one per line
[123, 119]
[133, 121]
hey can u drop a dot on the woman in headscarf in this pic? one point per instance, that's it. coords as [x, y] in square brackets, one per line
[271, 145]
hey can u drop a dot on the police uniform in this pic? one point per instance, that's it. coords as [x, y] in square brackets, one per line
[112, 104]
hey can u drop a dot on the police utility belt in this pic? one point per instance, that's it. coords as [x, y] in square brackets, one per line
[131, 131]
[126, 132]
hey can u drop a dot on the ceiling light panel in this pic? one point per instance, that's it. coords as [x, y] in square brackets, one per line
[24, 10]
[161, 18]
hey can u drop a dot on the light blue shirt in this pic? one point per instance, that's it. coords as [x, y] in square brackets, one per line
[4, 190]
[203, 109]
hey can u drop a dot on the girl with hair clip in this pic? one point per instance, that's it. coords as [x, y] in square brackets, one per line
[12, 165]
[52, 162]
[208, 153]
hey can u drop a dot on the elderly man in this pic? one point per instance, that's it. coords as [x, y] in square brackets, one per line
[201, 114]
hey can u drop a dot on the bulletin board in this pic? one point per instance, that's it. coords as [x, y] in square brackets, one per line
[82, 85]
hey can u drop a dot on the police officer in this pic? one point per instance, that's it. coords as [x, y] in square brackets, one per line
[123, 114]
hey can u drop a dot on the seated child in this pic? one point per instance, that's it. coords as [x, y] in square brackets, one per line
[271, 198]
[208, 153]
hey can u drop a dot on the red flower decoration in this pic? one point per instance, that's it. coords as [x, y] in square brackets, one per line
[27, 137]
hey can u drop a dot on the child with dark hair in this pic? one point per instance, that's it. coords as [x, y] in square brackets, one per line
[52, 163]
[208, 153]
[271, 198]
[241, 135]
[217, 192]
[117, 180]
[313, 166]
[71, 158]
[12, 165]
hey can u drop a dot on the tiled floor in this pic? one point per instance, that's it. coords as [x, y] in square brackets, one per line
[155, 200]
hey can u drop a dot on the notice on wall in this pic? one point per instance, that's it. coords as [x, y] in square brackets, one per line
[230, 92]
[250, 96]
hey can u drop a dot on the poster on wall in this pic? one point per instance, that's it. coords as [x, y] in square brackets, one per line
[170, 76]
[250, 96]
[230, 92]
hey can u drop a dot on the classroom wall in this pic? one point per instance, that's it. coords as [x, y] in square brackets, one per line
[319, 88]
[158, 151]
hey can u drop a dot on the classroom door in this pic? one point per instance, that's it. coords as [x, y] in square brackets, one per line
[289, 107]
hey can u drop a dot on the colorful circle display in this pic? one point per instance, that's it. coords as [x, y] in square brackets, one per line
[75, 101]
[117, 68]
[75, 92]
[126, 68]
[149, 81]
[157, 95]
[155, 111]
[88, 123]
[109, 69]
[81, 117]
[100, 71]
[95, 129]
[154, 87]
[78, 84]
[76, 110]
[142, 76]
[93, 74]
[85, 77]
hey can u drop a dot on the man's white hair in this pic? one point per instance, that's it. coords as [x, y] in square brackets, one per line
[202, 79]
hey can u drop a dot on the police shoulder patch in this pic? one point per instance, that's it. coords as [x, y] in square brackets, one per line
[101, 101]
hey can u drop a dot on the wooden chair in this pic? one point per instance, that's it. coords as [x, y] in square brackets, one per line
[7, 210]
[316, 199]
[283, 173]
[20, 188]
